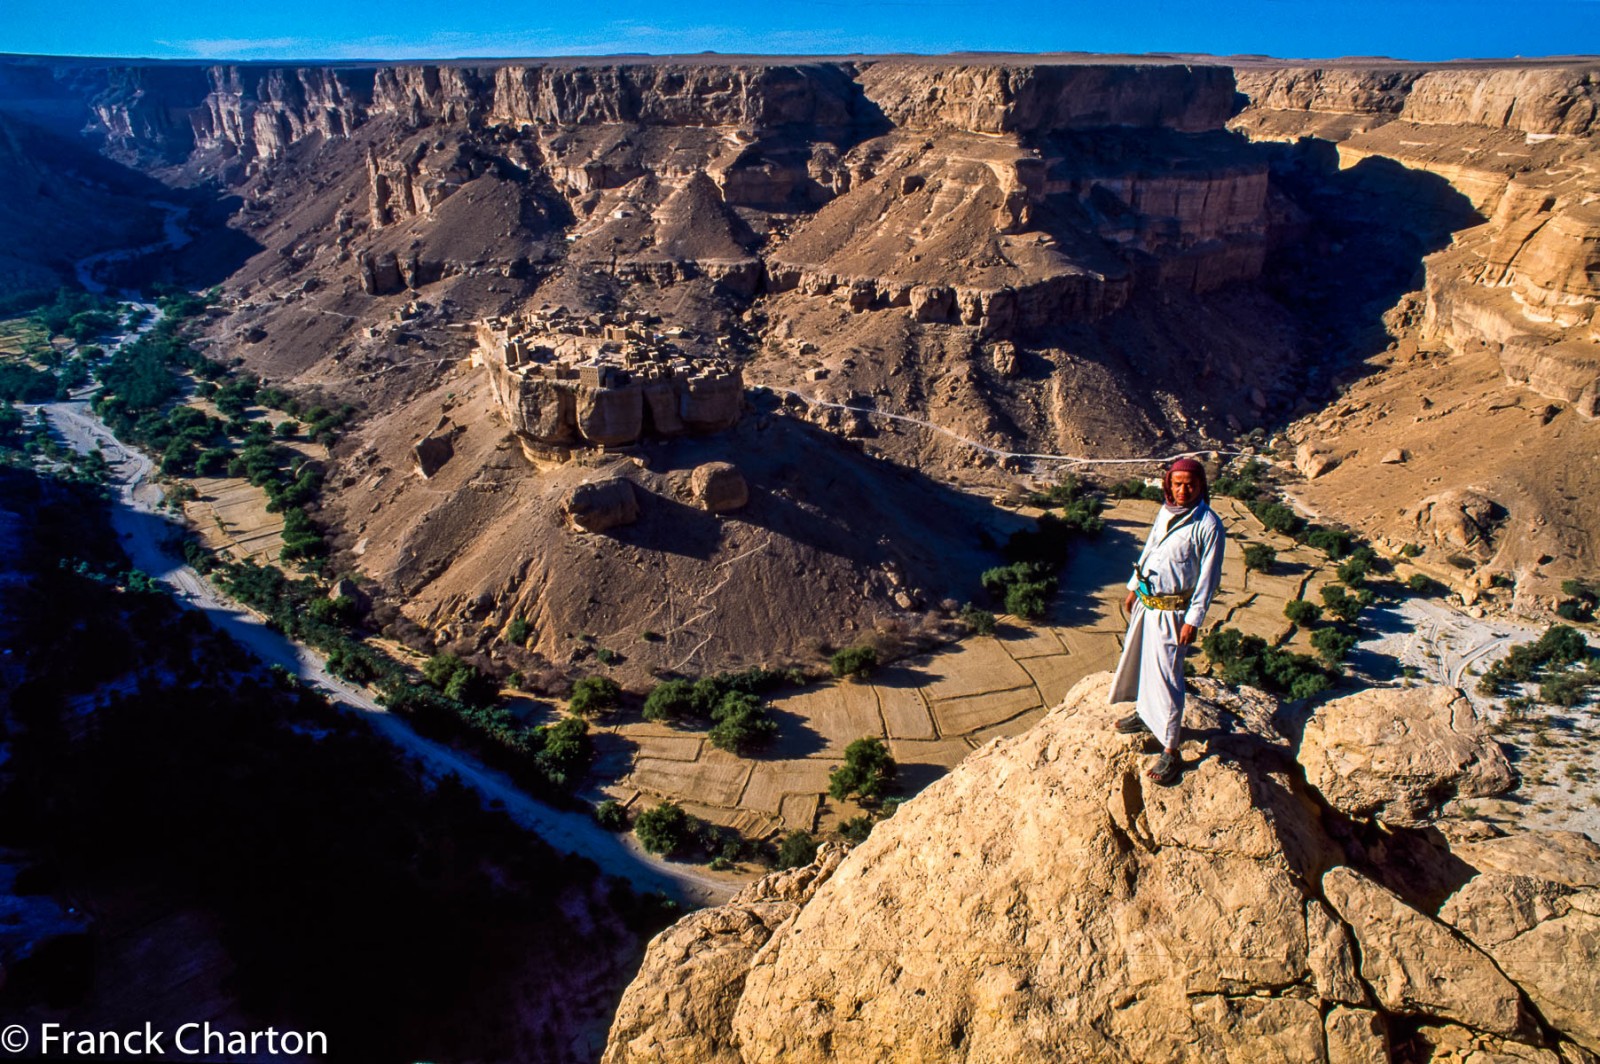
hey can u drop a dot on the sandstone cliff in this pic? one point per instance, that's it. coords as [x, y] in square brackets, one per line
[1044, 902]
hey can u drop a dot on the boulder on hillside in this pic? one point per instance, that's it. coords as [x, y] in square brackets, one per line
[601, 505]
[718, 487]
[1397, 754]
[1043, 901]
[432, 452]
[1313, 460]
[1462, 520]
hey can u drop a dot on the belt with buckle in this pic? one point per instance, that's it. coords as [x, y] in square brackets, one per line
[1178, 601]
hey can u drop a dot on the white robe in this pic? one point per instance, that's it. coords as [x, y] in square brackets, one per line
[1182, 552]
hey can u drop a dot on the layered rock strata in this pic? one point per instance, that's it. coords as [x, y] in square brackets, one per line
[1516, 144]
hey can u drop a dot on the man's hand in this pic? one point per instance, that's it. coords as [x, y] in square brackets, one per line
[1186, 635]
[1127, 603]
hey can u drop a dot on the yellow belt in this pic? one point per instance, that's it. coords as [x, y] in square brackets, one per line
[1179, 601]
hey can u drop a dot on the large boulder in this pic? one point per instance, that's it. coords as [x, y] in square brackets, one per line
[701, 962]
[1043, 901]
[718, 487]
[1461, 520]
[1398, 754]
[601, 505]
[432, 452]
[1535, 908]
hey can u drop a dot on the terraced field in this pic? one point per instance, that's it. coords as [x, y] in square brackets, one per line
[936, 708]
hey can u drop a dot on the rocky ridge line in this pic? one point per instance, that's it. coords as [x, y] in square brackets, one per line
[1042, 902]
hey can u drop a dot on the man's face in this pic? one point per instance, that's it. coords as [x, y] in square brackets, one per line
[1185, 488]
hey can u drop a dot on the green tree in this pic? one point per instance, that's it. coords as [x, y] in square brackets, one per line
[594, 694]
[1260, 557]
[796, 849]
[1340, 604]
[868, 771]
[1304, 614]
[610, 815]
[666, 829]
[517, 631]
[1332, 645]
[1028, 600]
[741, 724]
[854, 661]
[670, 700]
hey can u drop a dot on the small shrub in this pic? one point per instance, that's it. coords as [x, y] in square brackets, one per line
[1421, 584]
[796, 849]
[980, 622]
[666, 829]
[594, 694]
[517, 632]
[854, 661]
[1302, 613]
[1260, 557]
[868, 771]
[856, 829]
[1411, 550]
[610, 815]
[1029, 600]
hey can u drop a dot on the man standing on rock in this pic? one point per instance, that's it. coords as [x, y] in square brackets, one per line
[1168, 594]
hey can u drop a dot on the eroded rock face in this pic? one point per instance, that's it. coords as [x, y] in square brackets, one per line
[719, 487]
[1535, 908]
[1462, 520]
[704, 959]
[1397, 755]
[602, 505]
[1042, 902]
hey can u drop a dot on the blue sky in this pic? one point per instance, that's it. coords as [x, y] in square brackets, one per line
[307, 29]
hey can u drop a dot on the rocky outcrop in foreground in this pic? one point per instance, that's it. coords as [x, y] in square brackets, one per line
[1043, 902]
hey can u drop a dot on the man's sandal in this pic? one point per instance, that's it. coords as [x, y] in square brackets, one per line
[1165, 770]
[1132, 724]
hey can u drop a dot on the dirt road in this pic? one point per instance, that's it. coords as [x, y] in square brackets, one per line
[152, 542]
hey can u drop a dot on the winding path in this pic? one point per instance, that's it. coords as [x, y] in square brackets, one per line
[151, 541]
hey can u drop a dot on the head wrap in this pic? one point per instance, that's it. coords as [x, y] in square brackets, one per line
[1184, 465]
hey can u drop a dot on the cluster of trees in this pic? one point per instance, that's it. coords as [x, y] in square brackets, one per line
[1547, 661]
[1249, 659]
[668, 829]
[1024, 586]
[80, 316]
[456, 700]
[247, 799]
[731, 701]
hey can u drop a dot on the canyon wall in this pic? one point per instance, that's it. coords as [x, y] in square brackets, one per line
[1516, 144]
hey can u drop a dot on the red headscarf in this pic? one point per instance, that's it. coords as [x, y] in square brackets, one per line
[1184, 465]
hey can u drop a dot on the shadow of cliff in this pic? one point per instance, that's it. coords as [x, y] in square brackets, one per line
[1338, 247]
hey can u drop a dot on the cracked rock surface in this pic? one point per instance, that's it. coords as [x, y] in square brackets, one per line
[1045, 902]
